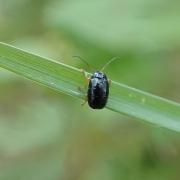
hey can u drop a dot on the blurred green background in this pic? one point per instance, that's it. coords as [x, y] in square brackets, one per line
[50, 136]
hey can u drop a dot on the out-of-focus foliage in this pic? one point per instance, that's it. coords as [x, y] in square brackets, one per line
[45, 135]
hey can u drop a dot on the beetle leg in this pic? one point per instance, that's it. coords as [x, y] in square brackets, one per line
[82, 89]
[85, 101]
[109, 81]
[85, 75]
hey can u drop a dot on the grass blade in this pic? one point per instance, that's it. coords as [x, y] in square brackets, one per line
[67, 79]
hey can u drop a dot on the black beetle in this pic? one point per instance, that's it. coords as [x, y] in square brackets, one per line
[98, 90]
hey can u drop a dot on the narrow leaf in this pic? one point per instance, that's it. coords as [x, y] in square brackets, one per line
[67, 79]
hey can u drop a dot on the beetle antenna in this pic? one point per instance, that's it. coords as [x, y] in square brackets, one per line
[109, 62]
[84, 61]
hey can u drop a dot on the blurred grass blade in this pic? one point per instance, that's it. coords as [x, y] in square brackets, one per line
[67, 79]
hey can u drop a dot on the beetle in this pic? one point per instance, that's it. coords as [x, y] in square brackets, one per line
[98, 90]
[98, 87]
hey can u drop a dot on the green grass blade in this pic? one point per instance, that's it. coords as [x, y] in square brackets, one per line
[67, 79]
